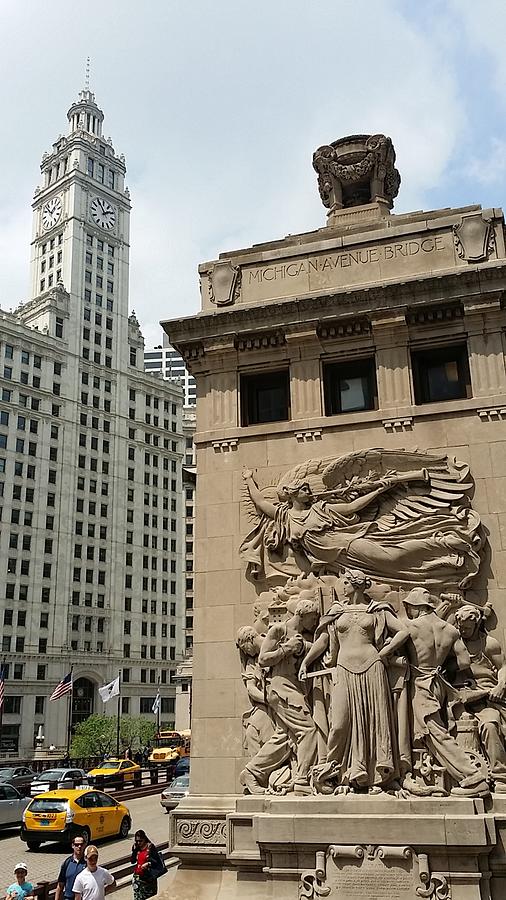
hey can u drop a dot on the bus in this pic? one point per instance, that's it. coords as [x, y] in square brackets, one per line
[169, 747]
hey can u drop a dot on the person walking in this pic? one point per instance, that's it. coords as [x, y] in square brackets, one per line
[21, 888]
[93, 881]
[149, 866]
[70, 869]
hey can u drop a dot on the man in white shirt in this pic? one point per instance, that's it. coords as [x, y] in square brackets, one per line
[93, 881]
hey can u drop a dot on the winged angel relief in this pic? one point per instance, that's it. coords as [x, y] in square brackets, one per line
[400, 517]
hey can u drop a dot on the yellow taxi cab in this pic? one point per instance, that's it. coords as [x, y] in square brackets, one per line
[113, 771]
[61, 815]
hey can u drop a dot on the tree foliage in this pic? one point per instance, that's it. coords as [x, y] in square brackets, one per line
[96, 736]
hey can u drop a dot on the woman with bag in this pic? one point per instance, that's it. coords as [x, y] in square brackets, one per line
[149, 866]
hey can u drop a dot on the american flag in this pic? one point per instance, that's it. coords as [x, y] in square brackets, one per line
[64, 687]
[2, 687]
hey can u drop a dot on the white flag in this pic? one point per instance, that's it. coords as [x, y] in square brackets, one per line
[108, 691]
[157, 703]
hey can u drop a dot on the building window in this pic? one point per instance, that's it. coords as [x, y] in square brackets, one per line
[441, 374]
[265, 398]
[349, 387]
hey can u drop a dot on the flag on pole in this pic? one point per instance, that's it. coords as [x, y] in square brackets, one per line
[64, 687]
[2, 688]
[156, 704]
[108, 691]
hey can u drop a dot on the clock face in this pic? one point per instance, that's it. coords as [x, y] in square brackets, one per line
[103, 213]
[51, 212]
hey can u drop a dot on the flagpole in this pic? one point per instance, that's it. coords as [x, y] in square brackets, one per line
[69, 713]
[2, 676]
[159, 706]
[118, 715]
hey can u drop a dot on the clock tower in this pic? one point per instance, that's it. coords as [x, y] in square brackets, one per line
[81, 228]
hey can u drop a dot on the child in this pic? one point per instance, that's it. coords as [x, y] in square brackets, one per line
[21, 887]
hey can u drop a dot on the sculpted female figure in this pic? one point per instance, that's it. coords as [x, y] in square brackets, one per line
[359, 635]
[407, 528]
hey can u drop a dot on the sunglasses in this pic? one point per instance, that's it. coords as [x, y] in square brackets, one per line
[93, 856]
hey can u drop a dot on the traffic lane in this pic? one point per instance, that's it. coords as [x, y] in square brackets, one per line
[44, 864]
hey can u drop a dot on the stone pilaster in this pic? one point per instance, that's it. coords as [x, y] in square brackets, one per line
[305, 375]
[390, 335]
[484, 321]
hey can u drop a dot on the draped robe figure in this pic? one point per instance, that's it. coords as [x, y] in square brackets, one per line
[396, 526]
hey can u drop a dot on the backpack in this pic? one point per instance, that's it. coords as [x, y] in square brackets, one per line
[158, 867]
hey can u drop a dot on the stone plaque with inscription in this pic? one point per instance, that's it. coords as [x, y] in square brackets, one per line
[361, 872]
[372, 878]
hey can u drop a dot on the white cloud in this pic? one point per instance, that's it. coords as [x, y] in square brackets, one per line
[490, 167]
[218, 109]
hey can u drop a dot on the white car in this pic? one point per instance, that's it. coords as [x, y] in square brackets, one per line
[175, 792]
[58, 779]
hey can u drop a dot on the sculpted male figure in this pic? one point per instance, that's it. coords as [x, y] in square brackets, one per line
[431, 642]
[486, 687]
[281, 652]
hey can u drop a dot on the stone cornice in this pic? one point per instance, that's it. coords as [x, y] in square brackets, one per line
[445, 289]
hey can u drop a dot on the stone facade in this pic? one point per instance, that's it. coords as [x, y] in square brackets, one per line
[91, 452]
[377, 331]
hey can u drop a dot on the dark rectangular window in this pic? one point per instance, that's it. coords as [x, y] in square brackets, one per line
[349, 387]
[265, 398]
[441, 374]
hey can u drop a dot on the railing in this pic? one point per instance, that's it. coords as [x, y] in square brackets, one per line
[121, 868]
[144, 782]
[53, 762]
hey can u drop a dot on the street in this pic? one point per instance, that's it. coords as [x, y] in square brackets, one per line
[44, 865]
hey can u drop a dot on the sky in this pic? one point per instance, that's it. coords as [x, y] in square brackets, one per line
[218, 108]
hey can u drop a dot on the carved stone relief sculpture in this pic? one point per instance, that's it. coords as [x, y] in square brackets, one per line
[371, 671]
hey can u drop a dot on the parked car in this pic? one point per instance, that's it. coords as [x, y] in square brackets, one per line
[175, 792]
[12, 805]
[19, 776]
[61, 815]
[53, 779]
[182, 767]
[114, 771]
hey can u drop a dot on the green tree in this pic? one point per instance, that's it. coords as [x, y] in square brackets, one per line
[136, 732]
[95, 736]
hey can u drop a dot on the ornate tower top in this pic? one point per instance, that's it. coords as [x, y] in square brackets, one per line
[85, 115]
[357, 171]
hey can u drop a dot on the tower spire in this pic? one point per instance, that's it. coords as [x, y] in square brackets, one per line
[87, 74]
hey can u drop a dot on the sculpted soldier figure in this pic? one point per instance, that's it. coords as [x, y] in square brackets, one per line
[431, 642]
[485, 693]
[281, 652]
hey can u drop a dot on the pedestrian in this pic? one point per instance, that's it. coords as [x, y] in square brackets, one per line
[21, 888]
[93, 881]
[70, 869]
[149, 866]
